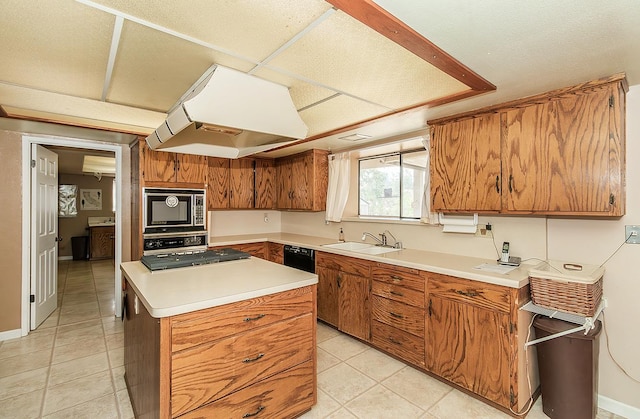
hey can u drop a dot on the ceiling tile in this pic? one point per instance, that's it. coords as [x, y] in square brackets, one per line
[303, 94]
[56, 45]
[345, 54]
[153, 69]
[252, 29]
[338, 112]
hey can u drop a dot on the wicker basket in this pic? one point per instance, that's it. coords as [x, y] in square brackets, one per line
[560, 286]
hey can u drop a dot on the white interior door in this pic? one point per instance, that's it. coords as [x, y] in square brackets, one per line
[44, 233]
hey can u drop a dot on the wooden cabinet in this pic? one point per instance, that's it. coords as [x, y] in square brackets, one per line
[465, 168]
[226, 361]
[563, 156]
[471, 337]
[275, 252]
[257, 249]
[302, 181]
[161, 166]
[559, 153]
[397, 312]
[241, 183]
[344, 286]
[101, 242]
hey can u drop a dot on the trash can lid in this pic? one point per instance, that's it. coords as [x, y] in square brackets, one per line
[557, 270]
[553, 326]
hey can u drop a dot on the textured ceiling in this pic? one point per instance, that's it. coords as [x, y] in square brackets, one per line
[120, 65]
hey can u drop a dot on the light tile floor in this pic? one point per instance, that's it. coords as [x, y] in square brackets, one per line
[72, 367]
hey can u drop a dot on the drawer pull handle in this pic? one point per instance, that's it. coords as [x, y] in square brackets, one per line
[396, 278]
[399, 294]
[250, 319]
[247, 360]
[392, 340]
[397, 316]
[468, 293]
[257, 412]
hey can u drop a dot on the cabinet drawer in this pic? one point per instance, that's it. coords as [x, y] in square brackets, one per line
[344, 264]
[477, 293]
[398, 275]
[210, 371]
[399, 315]
[285, 395]
[398, 293]
[192, 329]
[397, 342]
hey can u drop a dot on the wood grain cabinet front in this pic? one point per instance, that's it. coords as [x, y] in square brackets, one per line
[471, 337]
[256, 356]
[344, 286]
[302, 181]
[101, 242]
[257, 249]
[557, 153]
[244, 183]
[166, 167]
[397, 312]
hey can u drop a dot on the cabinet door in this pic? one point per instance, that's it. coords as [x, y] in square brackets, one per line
[354, 311]
[283, 175]
[218, 183]
[328, 295]
[469, 346]
[102, 242]
[557, 155]
[301, 176]
[241, 183]
[191, 168]
[158, 166]
[465, 165]
[265, 183]
[275, 252]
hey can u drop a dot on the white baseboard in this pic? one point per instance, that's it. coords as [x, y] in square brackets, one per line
[618, 408]
[65, 257]
[10, 334]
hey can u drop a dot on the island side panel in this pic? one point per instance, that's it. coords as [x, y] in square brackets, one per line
[141, 356]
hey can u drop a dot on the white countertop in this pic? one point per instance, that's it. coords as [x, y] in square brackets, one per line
[182, 290]
[441, 263]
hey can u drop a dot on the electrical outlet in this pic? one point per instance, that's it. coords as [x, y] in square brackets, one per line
[483, 232]
[632, 234]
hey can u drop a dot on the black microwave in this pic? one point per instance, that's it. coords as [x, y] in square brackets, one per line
[167, 210]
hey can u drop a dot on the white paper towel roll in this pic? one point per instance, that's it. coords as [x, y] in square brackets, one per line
[458, 223]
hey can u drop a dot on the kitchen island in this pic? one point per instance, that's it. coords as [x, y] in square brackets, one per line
[230, 339]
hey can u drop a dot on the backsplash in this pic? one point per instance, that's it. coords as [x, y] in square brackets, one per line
[229, 223]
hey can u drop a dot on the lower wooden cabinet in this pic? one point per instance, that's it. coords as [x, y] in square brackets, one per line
[251, 358]
[276, 252]
[344, 286]
[258, 249]
[101, 242]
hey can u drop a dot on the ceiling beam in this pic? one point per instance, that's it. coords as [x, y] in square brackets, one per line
[383, 22]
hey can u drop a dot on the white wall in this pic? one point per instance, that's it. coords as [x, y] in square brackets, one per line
[228, 223]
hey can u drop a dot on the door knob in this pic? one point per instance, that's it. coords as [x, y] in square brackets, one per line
[58, 238]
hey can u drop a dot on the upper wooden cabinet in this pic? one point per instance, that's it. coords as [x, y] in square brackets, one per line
[465, 164]
[241, 183]
[161, 166]
[559, 153]
[302, 181]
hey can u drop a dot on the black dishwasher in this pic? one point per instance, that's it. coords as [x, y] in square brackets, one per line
[300, 258]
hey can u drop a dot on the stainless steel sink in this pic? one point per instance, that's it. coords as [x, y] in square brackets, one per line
[359, 247]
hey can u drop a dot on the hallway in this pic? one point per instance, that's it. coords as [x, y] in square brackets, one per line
[72, 365]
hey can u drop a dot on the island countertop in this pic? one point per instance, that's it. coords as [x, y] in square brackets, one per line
[176, 291]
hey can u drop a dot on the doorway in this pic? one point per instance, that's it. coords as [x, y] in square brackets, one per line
[27, 213]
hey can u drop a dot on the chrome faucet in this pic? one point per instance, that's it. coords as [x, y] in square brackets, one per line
[396, 243]
[382, 242]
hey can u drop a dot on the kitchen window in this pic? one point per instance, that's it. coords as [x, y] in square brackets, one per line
[392, 185]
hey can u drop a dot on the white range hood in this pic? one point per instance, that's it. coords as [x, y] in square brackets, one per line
[230, 114]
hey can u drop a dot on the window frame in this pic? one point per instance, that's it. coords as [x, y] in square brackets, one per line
[382, 155]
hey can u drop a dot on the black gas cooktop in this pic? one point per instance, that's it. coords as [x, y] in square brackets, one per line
[180, 260]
